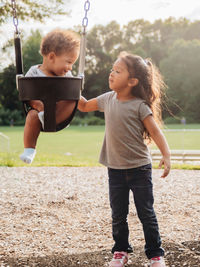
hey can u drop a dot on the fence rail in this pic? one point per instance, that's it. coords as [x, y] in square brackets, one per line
[178, 155]
[181, 130]
[4, 142]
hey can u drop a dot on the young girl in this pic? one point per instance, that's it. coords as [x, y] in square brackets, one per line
[131, 111]
[60, 50]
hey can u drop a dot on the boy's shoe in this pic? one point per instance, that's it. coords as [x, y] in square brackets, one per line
[119, 259]
[157, 262]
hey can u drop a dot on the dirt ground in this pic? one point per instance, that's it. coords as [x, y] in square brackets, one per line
[57, 217]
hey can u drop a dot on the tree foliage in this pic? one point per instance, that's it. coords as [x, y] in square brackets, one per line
[181, 70]
[8, 92]
[32, 9]
[31, 55]
[173, 45]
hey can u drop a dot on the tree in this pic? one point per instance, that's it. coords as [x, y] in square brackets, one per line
[9, 99]
[103, 46]
[154, 39]
[26, 10]
[181, 73]
[172, 44]
[31, 47]
[8, 92]
[32, 9]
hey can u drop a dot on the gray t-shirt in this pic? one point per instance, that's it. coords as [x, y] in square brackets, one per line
[123, 145]
[35, 71]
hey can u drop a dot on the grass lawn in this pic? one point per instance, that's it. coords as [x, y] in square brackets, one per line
[80, 146]
[73, 146]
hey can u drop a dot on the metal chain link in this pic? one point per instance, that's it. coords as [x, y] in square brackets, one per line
[85, 19]
[15, 19]
[83, 43]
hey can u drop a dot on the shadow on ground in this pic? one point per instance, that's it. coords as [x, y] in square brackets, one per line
[177, 255]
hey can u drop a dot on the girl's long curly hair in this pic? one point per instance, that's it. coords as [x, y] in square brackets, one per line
[150, 83]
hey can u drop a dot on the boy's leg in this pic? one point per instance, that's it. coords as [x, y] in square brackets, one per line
[31, 132]
[140, 182]
[64, 109]
[119, 202]
[32, 129]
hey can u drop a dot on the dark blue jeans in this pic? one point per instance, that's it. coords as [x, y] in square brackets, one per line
[139, 181]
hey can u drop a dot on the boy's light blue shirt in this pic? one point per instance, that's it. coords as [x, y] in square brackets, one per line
[35, 71]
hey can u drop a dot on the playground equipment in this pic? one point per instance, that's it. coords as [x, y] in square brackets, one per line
[49, 89]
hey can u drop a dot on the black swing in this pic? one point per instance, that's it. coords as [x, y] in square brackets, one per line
[49, 89]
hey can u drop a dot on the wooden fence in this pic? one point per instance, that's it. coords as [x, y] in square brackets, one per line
[4, 143]
[178, 155]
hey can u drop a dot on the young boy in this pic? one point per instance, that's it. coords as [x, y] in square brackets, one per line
[60, 50]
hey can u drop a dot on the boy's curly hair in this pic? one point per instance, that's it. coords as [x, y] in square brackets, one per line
[59, 41]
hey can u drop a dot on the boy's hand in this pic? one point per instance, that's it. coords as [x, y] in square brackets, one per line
[167, 166]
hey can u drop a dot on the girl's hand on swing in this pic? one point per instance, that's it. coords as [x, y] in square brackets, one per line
[167, 166]
[85, 105]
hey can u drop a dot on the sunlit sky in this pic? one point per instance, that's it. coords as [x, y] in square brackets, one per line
[123, 11]
[103, 11]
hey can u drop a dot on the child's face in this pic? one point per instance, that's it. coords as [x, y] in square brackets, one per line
[119, 76]
[60, 65]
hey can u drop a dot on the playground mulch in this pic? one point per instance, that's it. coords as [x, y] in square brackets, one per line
[52, 216]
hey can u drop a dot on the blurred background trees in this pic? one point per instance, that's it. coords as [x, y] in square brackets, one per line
[37, 10]
[172, 44]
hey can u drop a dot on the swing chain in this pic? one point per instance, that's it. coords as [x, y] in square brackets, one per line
[85, 19]
[15, 19]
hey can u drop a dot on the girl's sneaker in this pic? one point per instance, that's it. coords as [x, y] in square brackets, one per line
[157, 262]
[119, 259]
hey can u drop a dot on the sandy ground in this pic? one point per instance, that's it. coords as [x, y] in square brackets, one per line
[53, 216]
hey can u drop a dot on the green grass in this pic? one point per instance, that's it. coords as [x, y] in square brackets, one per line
[82, 143]
[182, 140]
[80, 146]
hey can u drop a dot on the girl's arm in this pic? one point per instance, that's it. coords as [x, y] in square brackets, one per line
[85, 105]
[160, 141]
